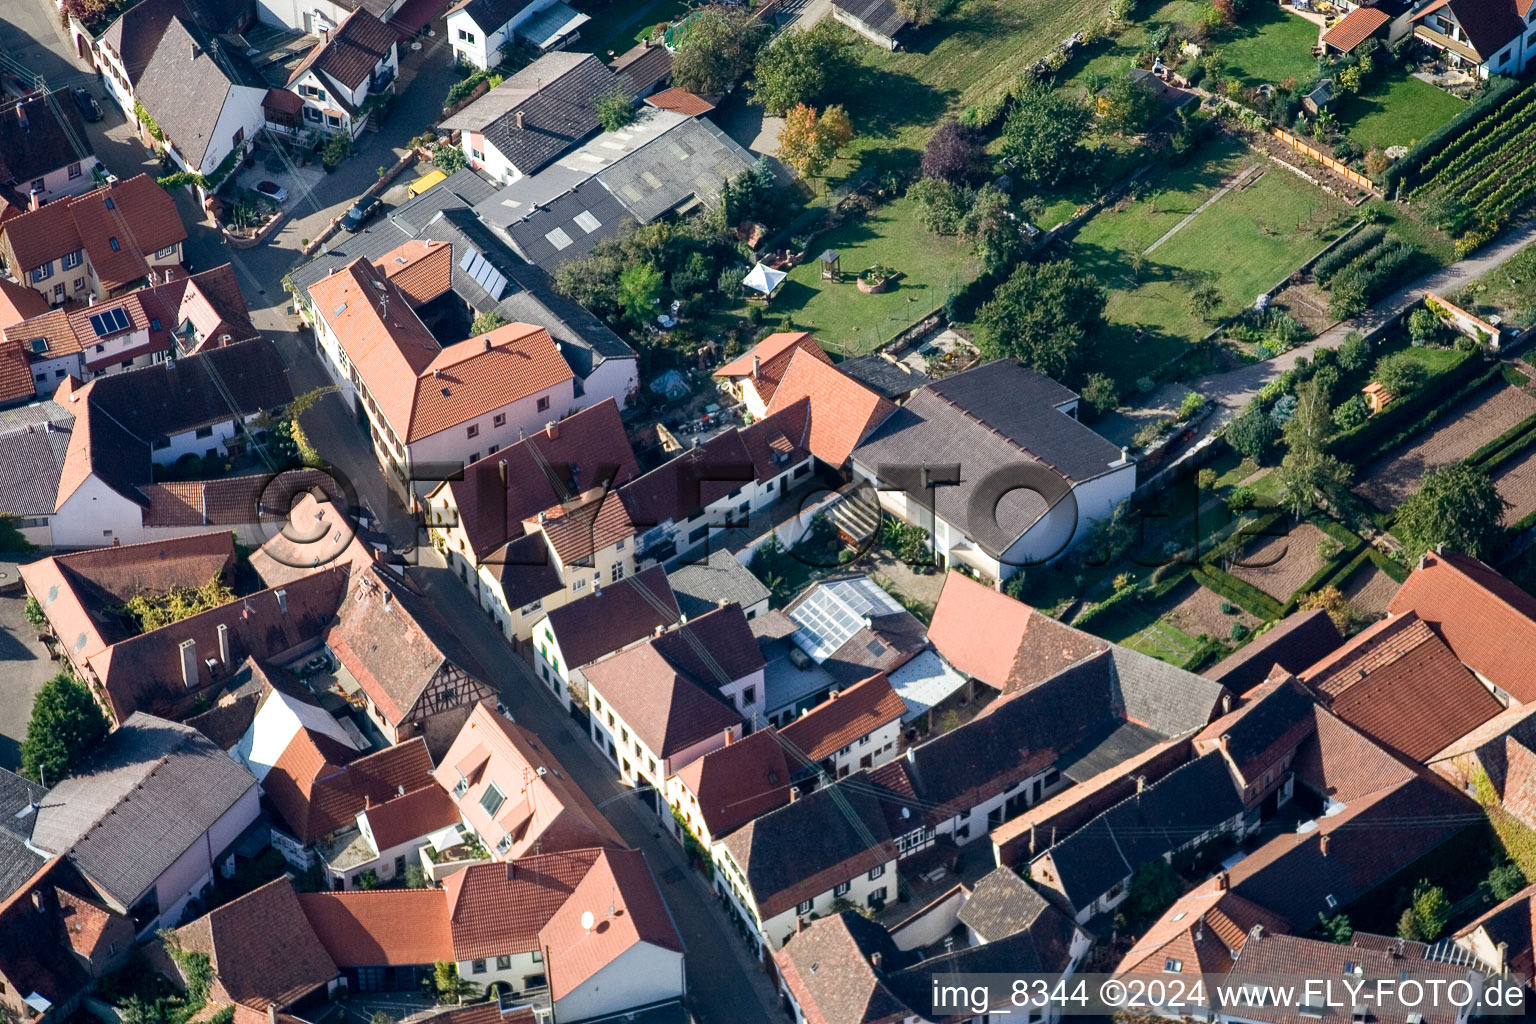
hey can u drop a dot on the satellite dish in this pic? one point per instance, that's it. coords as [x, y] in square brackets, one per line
[587, 920]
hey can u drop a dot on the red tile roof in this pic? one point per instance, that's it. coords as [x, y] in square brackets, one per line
[317, 789]
[583, 449]
[1355, 28]
[1520, 781]
[1488, 621]
[418, 813]
[1204, 930]
[475, 376]
[773, 353]
[1004, 643]
[848, 715]
[680, 100]
[1399, 683]
[559, 816]
[16, 383]
[420, 268]
[18, 303]
[77, 589]
[142, 218]
[664, 708]
[232, 500]
[496, 909]
[738, 781]
[365, 929]
[261, 947]
[841, 411]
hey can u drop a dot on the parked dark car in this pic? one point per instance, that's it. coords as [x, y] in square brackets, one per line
[361, 213]
[89, 108]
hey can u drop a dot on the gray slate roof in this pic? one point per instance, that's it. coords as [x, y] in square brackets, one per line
[186, 95]
[883, 16]
[490, 15]
[17, 863]
[443, 214]
[984, 419]
[1171, 813]
[1001, 904]
[690, 160]
[883, 377]
[31, 460]
[704, 586]
[556, 98]
[154, 789]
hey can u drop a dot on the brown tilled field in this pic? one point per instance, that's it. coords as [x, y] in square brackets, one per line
[1368, 590]
[1516, 481]
[1198, 610]
[1294, 557]
[1460, 432]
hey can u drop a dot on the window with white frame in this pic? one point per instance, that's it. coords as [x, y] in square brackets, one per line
[492, 799]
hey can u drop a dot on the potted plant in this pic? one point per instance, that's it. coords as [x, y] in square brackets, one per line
[875, 279]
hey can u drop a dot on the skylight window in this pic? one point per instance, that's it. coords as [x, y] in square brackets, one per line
[835, 611]
[492, 799]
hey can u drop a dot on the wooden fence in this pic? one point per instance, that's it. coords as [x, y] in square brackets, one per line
[1353, 177]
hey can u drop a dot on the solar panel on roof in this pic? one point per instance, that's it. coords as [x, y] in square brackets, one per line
[110, 321]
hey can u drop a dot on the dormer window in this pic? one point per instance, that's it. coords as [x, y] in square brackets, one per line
[461, 788]
[504, 843]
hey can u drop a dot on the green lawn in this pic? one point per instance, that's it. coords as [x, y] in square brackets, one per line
[621, 25]
[1270, 46]
[847, 320]
[1244, 243]
[976, 47]
[1397, 111]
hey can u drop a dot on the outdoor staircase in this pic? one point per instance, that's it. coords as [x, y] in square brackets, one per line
[856, 515]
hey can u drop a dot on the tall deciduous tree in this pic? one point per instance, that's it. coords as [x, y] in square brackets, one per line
[1044, 315]
[952, 154]
[808, 141]
[1040, 137]
[717, 49]
[615, 108]
[66, 727]
[803, 67]
[639, 288]
[1456, 505]
[994, 228]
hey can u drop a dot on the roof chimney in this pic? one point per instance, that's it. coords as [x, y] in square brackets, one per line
[487, 342]
[282, 601]
[518, 118]
[1503, 963]
[1226, 703]
[193, 51]
[189, 663]
[552, 430]
[1141, 783]
[730, 737]
[224, 643]
[874, 960]
[35, 199]
[37, 901]
[1223, 880]
[660, 629]
[1322, 845]
[794, 793]
[757, 367]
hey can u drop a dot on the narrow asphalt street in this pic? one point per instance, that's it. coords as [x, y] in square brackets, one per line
[1235, 388]
[725, 983]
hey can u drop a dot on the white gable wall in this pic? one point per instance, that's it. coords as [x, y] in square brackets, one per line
[644, 973]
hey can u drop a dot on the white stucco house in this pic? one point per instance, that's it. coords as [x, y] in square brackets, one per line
[350, 66]
[479, 29]
[994, 464]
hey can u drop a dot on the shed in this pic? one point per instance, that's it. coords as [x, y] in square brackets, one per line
[1319, 98]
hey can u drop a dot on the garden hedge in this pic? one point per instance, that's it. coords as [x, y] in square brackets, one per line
[1335, 259]
[1371, 436]
[1246, 596]
[1506, 444]
[1499, 91]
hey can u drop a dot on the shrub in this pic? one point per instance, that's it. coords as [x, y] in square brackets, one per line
[1334, 259]
[1424, 327]
[1238, 633]
[1099, 395]
[1193, 402]
[1354, 352]
[1241, 499]
[1228, 608]
[1351, 413]
[1252, 434]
